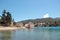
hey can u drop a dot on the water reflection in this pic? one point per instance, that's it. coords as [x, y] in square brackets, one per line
[38, 33]
[5, 35]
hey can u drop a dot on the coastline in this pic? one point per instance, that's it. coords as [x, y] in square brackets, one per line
[9, 28]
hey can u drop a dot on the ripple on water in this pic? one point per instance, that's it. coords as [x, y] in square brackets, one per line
[37, 33]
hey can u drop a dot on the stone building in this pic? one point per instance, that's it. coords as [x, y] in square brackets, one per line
[41, 24]
[19, 24]
[29, 25]
[26, 25]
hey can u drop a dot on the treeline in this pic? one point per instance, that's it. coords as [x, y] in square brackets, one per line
[47, 21]
[6, 18]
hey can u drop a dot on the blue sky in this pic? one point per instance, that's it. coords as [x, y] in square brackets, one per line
[30, 9]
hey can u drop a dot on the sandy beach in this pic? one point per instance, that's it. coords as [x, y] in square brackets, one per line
[9, 28]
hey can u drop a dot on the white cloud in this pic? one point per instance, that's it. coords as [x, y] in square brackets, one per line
[46, 16]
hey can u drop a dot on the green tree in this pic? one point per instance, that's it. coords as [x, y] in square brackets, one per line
[3, 18]
[14, 23]
[6, 18]
[9, 18]
[0, 17]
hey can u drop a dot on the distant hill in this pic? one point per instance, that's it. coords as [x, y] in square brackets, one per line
[51, 21]
[39, 20]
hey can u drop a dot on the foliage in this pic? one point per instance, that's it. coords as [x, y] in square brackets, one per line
[14, 23]
[6, 18]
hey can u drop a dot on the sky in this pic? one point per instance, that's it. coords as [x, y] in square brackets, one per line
[30, 9]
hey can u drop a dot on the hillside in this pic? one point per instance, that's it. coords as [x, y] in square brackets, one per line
[47, 21]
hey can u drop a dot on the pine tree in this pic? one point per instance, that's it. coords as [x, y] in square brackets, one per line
[3, 18]
[14, 23]
[8, 18]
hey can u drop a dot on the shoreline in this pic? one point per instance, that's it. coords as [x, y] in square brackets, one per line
[9, 28]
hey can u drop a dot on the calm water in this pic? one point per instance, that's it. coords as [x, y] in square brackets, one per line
[38, 33]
